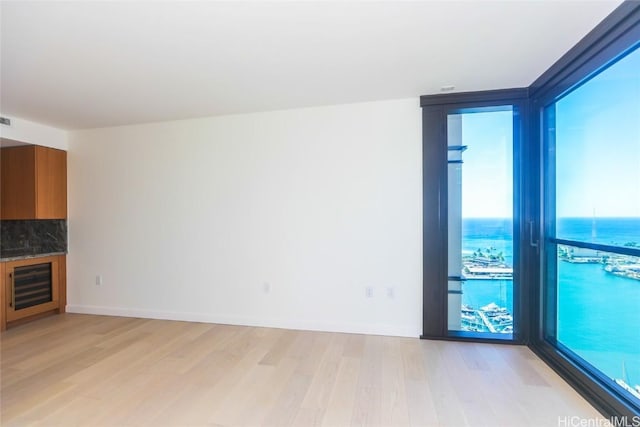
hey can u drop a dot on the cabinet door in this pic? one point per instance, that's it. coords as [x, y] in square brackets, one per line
[18, 183]
[62, 284]
[51, 183]
[3, 298]
[33, 183]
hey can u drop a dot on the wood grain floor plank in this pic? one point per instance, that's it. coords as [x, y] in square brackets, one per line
[82, 370]
[339, 411]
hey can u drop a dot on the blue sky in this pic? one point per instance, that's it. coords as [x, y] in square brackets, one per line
[487, 172]
[597, 149]
[598, 144]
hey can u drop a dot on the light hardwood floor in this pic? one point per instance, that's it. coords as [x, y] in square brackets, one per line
[75, 369]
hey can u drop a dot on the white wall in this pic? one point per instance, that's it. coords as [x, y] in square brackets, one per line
[34, 133]
[189, 219]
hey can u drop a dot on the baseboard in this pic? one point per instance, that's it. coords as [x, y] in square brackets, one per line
[304, 325]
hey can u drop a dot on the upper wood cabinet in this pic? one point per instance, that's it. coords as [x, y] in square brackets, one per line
[33, 183]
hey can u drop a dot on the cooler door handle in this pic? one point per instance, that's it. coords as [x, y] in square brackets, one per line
[12, 301]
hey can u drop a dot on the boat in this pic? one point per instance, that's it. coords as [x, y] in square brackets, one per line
[492, 309]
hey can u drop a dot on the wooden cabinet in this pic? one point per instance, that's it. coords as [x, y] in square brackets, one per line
[32, 288]
[33, 183]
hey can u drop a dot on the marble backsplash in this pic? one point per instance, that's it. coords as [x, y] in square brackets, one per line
[32, 237]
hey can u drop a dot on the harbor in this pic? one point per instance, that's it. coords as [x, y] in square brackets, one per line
[486, 264]
[489, 318]
[586, 279]
[617, 265]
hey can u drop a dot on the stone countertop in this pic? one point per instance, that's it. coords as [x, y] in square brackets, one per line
[14, 258]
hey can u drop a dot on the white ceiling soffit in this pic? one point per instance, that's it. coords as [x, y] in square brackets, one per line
[92, 64]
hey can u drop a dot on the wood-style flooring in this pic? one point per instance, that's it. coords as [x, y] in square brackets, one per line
[72, 369]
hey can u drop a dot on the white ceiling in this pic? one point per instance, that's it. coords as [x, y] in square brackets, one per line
[91, 64]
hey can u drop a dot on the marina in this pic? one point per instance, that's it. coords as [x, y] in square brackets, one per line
[617, 265]
[486, 264]
[586, 279]
[490, 318]
[480, 265]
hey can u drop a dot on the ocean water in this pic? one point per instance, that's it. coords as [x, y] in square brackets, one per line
[608, 231]
[482, 234]
[599, 318]
[598, 313]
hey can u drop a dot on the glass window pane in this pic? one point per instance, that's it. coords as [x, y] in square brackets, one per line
[480, 220]
[599, 312]
[594, 134]
[597, 135]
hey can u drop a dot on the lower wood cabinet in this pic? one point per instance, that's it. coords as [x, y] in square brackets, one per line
[32, 288]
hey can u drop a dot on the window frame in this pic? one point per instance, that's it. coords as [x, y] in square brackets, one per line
[611, 39]
[435, 110]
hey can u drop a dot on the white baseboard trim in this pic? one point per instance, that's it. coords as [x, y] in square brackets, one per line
[304, 325]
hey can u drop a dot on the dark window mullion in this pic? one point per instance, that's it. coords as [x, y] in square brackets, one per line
[621, 250]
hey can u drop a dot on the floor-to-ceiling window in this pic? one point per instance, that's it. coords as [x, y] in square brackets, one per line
[585, 122]
[592, 214]
[472, 210]
[572, 244]
[562, 272]
[480, 220]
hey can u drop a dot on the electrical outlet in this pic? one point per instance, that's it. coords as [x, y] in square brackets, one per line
[266, 287]
[391, 292]
[98, 280]
[368, 292]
